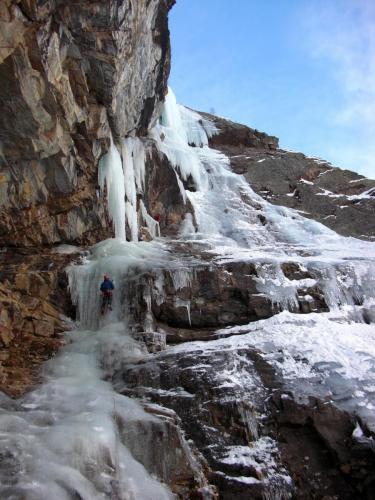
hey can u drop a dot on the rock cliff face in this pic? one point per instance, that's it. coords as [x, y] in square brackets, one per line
[235, 408]
[35, 303]
[71, 73]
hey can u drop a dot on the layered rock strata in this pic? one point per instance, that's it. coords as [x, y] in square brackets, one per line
[35, 311]
[257, 438]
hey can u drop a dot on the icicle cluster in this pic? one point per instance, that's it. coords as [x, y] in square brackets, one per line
[111, 174]
[124, 176]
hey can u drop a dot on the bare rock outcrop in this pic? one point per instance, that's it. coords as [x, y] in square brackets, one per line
[34, 309]
[233, 134]
[194, 300]
[256, 437]
[163, 197]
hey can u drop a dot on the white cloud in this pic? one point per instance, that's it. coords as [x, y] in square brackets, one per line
[343, 34]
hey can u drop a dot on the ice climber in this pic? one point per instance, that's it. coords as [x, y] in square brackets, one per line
[106, 288]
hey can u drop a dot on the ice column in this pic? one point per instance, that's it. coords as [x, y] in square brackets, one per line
[133, 155]
[130, 188]
[111, 174]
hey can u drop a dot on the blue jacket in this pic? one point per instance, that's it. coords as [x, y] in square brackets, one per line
[106, 286]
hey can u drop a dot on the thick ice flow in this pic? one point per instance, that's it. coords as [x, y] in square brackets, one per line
[133, 155]
[115, 257]
[177, 129]
[124, 177]
[62, 440]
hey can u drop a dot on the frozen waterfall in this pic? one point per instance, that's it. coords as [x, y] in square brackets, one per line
[65, 439]
[235, 223]
[111, 174]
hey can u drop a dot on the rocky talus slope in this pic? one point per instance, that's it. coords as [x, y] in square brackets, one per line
[238, 359]
[340, 199]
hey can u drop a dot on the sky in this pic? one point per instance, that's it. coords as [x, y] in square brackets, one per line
[303, 70]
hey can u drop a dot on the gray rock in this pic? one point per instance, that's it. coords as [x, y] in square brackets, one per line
[231, 403]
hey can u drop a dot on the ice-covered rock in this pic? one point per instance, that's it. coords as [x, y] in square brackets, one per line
[276, 398]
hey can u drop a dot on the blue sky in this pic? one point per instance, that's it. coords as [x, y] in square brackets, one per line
[303, 70]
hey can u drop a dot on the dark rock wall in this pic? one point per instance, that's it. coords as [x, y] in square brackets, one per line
[223, 295]
[314, 438]
[162, 196]
[233, 134]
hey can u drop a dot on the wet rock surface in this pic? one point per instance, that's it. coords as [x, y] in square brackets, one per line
[314, 187]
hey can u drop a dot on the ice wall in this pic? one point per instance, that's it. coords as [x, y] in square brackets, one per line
[117, 258]
[63, 440]
[178, 129]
